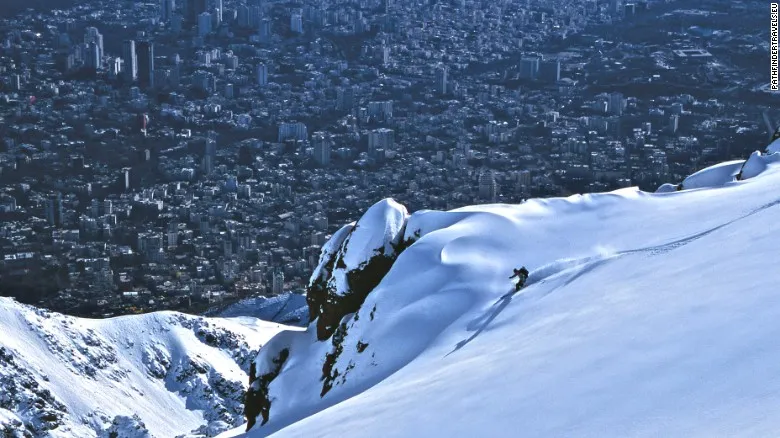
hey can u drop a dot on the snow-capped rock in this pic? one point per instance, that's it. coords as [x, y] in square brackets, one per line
[774, 147]
[757, 163]
[713, 176]
[644, 314]
[161, 374]
[352, 263]
[126, 427]
[728, 172]
[346, 275]
[667, 188]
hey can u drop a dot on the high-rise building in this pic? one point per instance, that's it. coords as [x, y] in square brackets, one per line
[674, 123]
[441, 80]
[92, 60]
[194, 8]
[321, 148]
[242, 15]
[550, 70]
[94, 209]
[145, 56]
[204, 24]
[262, 75]
[296, 23]
[616, 7]
[529, 67]
[114, 67]
[277, 283]
[345, 98]
[616, 103]
[218, 9]
[292, 131]
[207, 164]
[380, 139]
[92, 35]
[524, 178]
[173, 234]
[204, 81]
[488, 188]
[130, 71]
[166, 10]
[162, 77]
[125, 179]
[216, 20]
[211, 147]
[54, 209]
[381, 109]
[265, 30]
[176, 23]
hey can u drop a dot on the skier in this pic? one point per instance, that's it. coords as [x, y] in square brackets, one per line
[522, 276]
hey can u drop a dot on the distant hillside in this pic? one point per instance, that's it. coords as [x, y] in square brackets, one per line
[69, 377]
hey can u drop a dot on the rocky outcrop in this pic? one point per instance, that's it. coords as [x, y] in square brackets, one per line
[257, 402]
[126, 427]
[39, 411]
[352, 264]
[756, 164]
[365, 252]
[218, 337]
[728, 172]
[317, 292]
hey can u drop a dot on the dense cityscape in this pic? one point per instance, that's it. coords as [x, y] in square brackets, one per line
[185, 154]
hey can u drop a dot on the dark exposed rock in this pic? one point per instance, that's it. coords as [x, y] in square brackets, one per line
[361, 282]
[329, 372]
[338, 288]
[329, 305]
[126, 427]
[256, 400]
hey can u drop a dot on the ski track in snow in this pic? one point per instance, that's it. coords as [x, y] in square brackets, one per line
[618, 302]
[576, 268]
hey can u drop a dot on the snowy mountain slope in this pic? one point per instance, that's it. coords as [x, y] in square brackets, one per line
[644, 315]
[288, 308]
[78, 377]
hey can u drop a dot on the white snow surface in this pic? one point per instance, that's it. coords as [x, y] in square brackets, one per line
[171, 372]
[757, 163]
[666, 188]
[330, 248]
[773, 147]
[644, 315]
[714, 176]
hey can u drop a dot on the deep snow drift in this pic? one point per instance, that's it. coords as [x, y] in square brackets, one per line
[644, 315]
[161, 374]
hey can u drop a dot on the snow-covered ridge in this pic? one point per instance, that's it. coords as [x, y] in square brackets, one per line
[161, 374]
[440, 346]
[728, 172]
